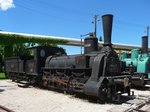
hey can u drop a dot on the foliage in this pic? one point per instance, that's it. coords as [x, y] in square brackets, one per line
[19, 48]
[15, 43]
[2, 76]
[11, 39]
[1, 56]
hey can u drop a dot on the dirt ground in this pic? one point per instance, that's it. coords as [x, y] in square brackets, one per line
[40, 100]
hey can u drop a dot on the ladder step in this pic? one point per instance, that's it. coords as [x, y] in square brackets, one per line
[23, 84]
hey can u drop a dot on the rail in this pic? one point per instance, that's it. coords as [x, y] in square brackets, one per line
[140, 103]
[4, 109]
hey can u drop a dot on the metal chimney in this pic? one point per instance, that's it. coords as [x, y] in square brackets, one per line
[107, 28]
[145, 44]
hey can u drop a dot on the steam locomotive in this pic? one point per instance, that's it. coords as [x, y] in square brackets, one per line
[95, 73]
[138, 64]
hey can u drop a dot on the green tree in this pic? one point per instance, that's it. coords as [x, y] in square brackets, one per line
[1, 57]
[14, 43]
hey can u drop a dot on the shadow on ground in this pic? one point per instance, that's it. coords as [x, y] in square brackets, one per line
[1, 90]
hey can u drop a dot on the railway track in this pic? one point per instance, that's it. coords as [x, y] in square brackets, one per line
[140, 103]
[4, 109]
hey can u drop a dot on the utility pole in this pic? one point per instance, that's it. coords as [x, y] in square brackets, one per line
[95, 25]
[81, 45]
[147, 31]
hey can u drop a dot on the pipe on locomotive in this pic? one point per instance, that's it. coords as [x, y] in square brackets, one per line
[145, 44]
[107, 29]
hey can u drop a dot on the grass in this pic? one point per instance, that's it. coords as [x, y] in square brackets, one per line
[2, 76]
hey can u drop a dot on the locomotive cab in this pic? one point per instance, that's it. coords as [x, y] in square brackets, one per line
[37, 59]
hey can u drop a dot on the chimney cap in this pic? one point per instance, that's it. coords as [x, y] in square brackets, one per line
[107, 15]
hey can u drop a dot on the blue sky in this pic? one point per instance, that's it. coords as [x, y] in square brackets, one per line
[72, 18]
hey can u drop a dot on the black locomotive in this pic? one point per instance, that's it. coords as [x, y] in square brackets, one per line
[94, 73]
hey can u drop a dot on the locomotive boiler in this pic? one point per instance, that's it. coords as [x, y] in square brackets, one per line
[94, 73]
[138, 65]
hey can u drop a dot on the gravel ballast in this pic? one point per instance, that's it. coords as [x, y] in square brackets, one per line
[40, 100]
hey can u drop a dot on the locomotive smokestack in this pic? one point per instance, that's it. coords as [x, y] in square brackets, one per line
[145, 44]
[107, 28]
